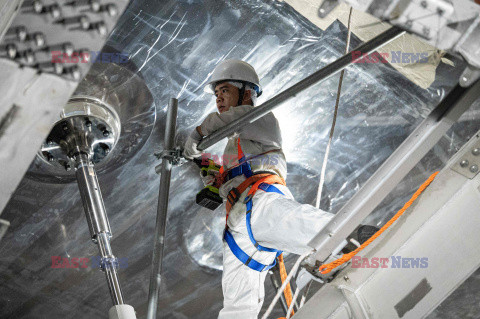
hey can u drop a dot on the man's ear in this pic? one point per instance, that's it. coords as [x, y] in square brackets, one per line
[247, 98]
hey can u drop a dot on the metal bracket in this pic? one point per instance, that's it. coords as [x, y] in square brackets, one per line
[109, 263]
[468, 164]
[305, 276]
[173, 156]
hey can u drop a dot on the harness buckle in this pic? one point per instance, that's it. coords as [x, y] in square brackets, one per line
[233, 196]
[247, 199]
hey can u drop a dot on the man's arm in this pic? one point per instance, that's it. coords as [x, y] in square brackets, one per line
[264, 130]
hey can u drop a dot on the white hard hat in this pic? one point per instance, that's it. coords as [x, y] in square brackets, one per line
[234, 70]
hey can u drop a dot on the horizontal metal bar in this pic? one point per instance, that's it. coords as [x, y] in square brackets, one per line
[394, 169]
[291, 92]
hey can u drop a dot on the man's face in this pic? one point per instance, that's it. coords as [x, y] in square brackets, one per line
[226, 96]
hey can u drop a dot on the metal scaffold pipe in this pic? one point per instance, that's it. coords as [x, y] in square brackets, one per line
[160, 226]
[320, 75]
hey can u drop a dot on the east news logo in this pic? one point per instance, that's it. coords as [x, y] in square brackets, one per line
[396, 262]
[79, 262]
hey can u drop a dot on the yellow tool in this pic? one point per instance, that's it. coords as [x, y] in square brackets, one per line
[208, 197]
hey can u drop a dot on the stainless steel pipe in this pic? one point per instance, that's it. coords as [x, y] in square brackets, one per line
[91, 196]
[98, 222]
[160, 226]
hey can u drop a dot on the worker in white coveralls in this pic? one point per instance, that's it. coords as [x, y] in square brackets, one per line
[269, 220]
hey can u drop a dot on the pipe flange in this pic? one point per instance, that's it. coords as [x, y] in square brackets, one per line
[86, 126]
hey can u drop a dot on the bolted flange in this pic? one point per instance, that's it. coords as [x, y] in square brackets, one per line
[86, 126]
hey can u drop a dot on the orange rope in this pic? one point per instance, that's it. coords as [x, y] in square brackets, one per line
[283, 274]
[325, 269]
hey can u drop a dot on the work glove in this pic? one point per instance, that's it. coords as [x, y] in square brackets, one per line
[190, 150]
[208, 180]
[209, 171]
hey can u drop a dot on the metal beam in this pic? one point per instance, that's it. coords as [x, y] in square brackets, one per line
[291, 92]
[160, 226]
[441, 226]
[394, 169]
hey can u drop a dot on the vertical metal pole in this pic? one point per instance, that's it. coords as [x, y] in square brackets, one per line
[98, 222]
[160, 225]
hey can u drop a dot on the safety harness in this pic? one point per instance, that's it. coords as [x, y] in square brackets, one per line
[261, 181]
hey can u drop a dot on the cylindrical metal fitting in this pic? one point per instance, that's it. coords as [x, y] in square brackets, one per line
[91, 196]
[109, 265]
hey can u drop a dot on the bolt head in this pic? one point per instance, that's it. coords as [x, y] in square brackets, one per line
[346, 278]
[55, 11]
[106, 133]
[21, 33]
[101, 28]
[29, 56]
[95, 5]
[68, 48]
[476, 151]
[473, 168]
[85, 22]
[423, 4]
[39, 39]
[58, 69]
[464, 163]
[74, 71]
[11, 50]
[85, 54]
[112, 10]
[37, 6]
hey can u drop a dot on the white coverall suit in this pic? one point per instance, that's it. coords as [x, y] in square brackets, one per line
[277, 221]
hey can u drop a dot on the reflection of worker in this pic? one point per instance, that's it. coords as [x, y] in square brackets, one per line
[262, 216]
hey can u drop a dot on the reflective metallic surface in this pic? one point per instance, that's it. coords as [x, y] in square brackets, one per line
[122, 100]
[175, 45]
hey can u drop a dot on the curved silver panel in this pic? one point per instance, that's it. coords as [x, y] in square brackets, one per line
[114, 87]
[175, 45]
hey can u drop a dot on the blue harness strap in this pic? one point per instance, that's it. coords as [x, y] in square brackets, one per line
[266, 188]
[243, 169]
[243, 257]
[246, 170]
[238, 252]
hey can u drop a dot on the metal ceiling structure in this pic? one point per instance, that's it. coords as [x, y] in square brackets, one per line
[172, 47]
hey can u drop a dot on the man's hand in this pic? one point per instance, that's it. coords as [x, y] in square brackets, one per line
[190, 150]
[207, 180]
